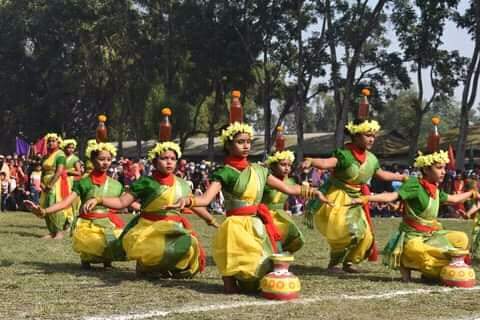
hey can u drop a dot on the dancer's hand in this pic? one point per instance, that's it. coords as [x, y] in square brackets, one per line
[358, 201]
[89, 205]
[180, 204]
[324, 199]
[34, 208]
[213, 223]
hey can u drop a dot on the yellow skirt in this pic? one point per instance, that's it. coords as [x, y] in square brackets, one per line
[427, 258]
[89, 240]
[292, 237]
[345, 228]
[241, 248]
[163, 244]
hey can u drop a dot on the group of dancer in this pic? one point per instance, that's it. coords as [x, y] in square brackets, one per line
[161, 239]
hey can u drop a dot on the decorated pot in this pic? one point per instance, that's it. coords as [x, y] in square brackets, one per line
[457, 273]
[280, 284]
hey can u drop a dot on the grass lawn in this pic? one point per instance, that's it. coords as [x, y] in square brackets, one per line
[42, 279]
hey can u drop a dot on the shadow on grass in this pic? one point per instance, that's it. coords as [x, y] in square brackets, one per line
[23, 234]
[315, 270]
[117, 275]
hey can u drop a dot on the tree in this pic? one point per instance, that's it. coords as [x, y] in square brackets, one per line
[471, 22]
[420, 31]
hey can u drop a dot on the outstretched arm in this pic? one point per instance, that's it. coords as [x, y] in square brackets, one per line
[379, 197]
[390, 176]
[293, 190]
[37, 210]
[461, 197]
[319, 163]
[198, 201]
[121, 202]
[203, 213]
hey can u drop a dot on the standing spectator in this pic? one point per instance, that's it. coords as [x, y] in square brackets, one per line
[35, 183]
[3, 190]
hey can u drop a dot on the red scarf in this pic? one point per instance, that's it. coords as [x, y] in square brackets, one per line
[359, 154]
[431, 188]
[164, 179]
[238, 163]
[98, 178]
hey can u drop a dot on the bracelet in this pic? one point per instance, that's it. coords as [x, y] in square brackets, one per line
[43, 212]
[99, 200]
[192, 202]
[212, 222]
[308, 162]
[364, 199]
[474, 194]
[307, 192]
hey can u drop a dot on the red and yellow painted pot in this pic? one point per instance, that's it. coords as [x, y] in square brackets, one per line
[457, 273]
[280, 284]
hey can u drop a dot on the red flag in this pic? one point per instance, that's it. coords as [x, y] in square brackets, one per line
[452, 165]
[40, 147]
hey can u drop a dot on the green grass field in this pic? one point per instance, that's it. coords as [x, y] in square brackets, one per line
[42, 279]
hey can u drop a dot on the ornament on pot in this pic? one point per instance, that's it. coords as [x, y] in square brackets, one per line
[280, 284]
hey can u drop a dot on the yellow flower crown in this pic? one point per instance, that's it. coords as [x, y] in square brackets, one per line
[364, 127]
[92, 146]
[440, 157]
[66, 142]
[233, 129]
[161, 147]
[55, 136]
[280, 156]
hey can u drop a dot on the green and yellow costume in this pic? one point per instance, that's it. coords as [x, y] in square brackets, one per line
[347, 229]
[161, 239]
[245, 240]
[420, 242]
[59, 191]
[292, 237]
[475, 250]
[70, 163]
[95, 234]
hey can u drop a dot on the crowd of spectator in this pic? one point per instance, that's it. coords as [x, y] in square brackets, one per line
[20, 179]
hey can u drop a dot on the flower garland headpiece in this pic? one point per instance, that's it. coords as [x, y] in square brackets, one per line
[93, 145]
[161, 147]
[66, 142]
[427, 160]
[55, 136]
[233, 129]
[367, 126]
[280, 156]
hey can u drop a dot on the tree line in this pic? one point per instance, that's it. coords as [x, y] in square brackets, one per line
[62, 62]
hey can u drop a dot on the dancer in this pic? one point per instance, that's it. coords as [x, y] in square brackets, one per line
[160, 240]
[96, 231]
[73, 168]
[349, 230]
[248, 236]
[55, 187]
[421, 243]
[280, 165]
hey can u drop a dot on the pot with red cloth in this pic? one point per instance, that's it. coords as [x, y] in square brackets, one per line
[280, 284]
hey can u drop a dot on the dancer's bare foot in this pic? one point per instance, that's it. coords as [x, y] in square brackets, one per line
[406, 274]
[59, 235]
[230, 285]
[48, 236]
[334, 269]
[348, 267]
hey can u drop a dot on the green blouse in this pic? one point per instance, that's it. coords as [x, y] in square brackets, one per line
[275, 199]
[86, 189]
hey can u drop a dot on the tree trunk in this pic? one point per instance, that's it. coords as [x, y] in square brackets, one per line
[462, 137]
[214, 113]
[415, 133]
[267, 114]
[300, 111]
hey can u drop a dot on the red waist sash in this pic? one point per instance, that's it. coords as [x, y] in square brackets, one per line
[112, 216]
[263, 213]
[202, 257]
[418, 226]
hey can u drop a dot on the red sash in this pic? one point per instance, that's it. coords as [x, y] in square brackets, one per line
[186, 224]
[112, 216]
[263, 213]
[418, 226]
[64, 187]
